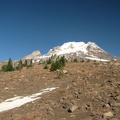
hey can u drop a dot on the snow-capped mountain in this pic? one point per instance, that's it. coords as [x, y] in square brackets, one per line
[80, 50]
[73, 50]
[75, 47]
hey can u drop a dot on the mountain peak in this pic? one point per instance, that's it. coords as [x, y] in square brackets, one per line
[71, 50]
[92, 44]
[36, 52]
[34, 55]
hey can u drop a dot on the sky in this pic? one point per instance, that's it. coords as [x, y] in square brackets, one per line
[28, 25]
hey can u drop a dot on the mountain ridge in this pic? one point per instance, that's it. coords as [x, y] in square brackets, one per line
[72, 50]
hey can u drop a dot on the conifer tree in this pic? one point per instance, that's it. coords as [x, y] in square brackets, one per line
[30, 65]
[20, 65]
[49, 61]
[25, 63]
[31, 62]
[58, 64]
[10, 65]
[62, 60]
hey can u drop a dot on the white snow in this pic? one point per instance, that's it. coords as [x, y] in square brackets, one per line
[71, 47]
[96, 59]
[20, 100]
[93, 44]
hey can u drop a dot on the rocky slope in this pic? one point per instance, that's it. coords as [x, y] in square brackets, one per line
[86, 91]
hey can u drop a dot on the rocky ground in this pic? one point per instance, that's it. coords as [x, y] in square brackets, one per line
[87, 91]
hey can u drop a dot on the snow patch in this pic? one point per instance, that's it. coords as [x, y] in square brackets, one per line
[20, 100]
[97, 59]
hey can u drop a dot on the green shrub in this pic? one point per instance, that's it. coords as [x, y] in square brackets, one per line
[4, 68]
[82, 60]
[58, 64]
[8, 67]
[75, 60]
[88, 60]
[53, 66]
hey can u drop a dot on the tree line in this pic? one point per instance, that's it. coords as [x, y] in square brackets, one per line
[9, 66]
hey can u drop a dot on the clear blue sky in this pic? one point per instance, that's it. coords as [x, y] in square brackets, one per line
[28, 25]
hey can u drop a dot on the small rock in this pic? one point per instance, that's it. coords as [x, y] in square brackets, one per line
[108, 114]
[65, 71]
[117, 104]
[115, 109]
[74, 102]
[72, 116]
[6, 88]
[118, 97]
[72, 109]
[107, 105]
[51, 113]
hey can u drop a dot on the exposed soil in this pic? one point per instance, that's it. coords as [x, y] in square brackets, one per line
[88, 91]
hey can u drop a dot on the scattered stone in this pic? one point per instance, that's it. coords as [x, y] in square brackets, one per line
[6, 88]
[108, 115]
[73, 116]
[107, 105]
[73, 108]
[115, 109]
[118, 98]
[65, 71]
[117, 104]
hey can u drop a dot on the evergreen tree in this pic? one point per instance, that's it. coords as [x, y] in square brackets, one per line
[49, 61]
[58, 64]
[20, 65]
[53, 66]
[10, 65]
[31, 62]
[82, 60]
[75, 60]
[25, 63]
[62, 60]
[30, 65]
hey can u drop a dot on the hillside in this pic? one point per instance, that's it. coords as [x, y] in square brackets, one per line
[86, 91]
